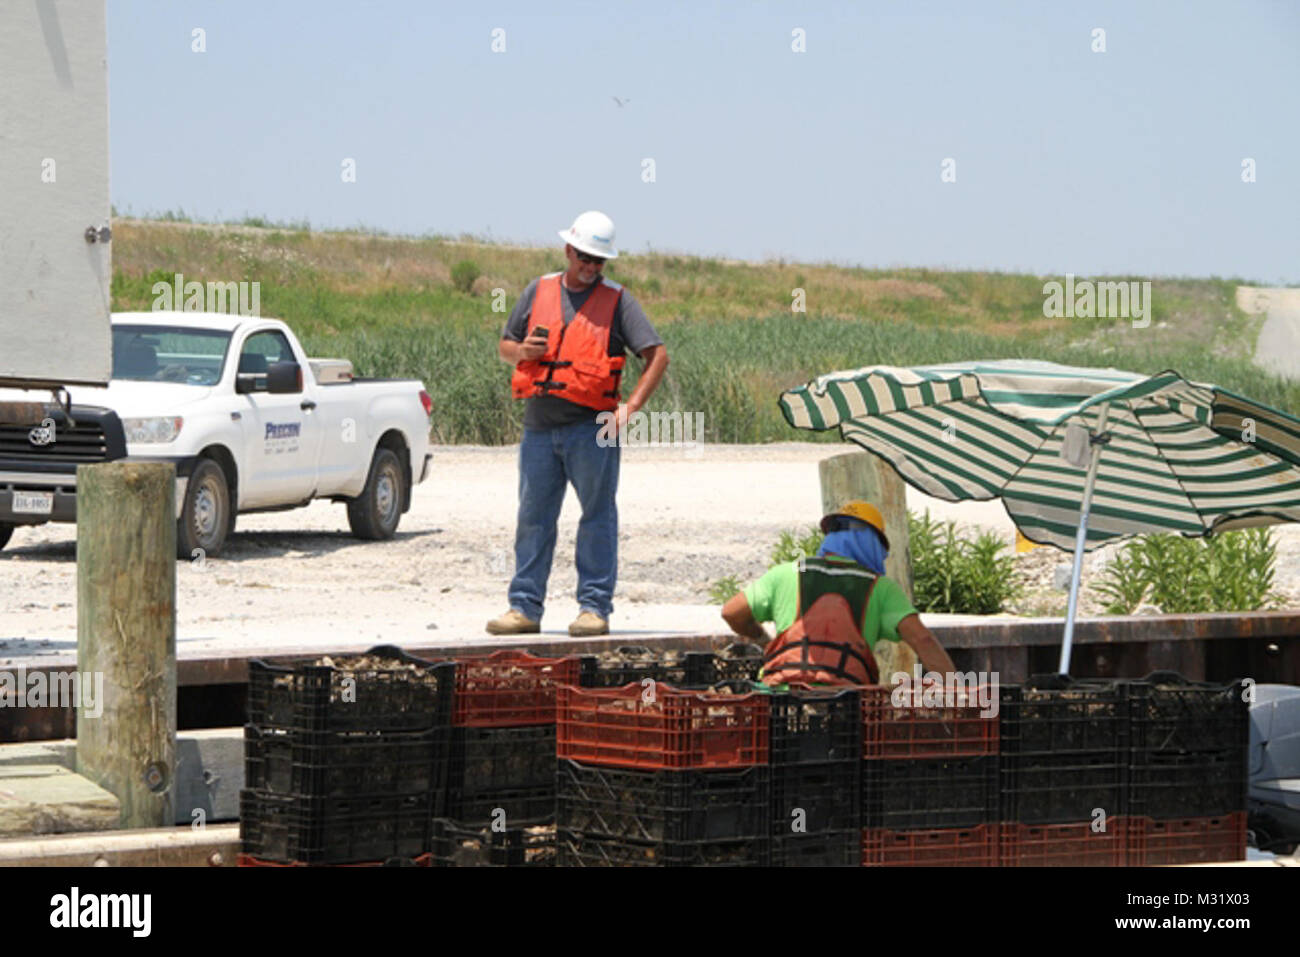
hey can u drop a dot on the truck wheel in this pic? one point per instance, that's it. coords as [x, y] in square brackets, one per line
[205, 519]
[5, 532]
[374, 513]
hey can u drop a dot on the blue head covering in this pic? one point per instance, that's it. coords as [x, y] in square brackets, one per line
[859, 542]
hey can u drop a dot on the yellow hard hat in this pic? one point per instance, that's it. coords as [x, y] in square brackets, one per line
[863, 512]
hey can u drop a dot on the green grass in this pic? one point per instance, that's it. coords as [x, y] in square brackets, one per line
[390, 304]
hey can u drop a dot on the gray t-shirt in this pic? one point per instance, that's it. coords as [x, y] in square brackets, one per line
[630, 330]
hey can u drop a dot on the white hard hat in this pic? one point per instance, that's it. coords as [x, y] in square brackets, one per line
[593, 234]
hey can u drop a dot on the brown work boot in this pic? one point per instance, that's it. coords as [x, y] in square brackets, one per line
[513, 623]
[589, 623]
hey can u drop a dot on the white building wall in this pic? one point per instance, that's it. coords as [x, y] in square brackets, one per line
[54, 286]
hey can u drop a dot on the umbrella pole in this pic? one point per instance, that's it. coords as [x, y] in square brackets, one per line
[1068, 642]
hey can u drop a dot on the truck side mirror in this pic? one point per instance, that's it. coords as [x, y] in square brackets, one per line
[283, 377]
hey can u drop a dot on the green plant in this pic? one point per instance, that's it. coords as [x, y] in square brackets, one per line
[723, 589]
[792, 545]
[955, 573]
[463, 275]
[1232, 571]
[1122, 583]
[1242, 569]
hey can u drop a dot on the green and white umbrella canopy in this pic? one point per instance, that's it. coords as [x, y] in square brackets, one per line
[1182, 456]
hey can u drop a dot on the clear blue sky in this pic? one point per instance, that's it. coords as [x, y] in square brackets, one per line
[1127, 161]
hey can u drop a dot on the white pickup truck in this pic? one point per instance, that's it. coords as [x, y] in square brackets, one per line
[250, 422]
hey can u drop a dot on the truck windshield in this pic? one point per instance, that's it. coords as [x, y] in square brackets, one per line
[169, 354]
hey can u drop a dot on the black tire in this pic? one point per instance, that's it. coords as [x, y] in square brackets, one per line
[205, 519]
[6, 530]
[374, 514]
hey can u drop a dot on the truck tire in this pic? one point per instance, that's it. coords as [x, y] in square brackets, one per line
[205, 519]
[6, 530]
[374, 514]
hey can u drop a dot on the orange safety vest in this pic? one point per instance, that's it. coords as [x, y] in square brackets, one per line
[577, 365]
[824, 644]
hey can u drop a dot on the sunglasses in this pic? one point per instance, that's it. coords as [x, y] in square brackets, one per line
[584, 258]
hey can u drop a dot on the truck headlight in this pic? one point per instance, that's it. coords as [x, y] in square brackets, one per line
[153, 430]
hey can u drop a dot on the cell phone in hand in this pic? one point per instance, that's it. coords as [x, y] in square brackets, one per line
[540, 332]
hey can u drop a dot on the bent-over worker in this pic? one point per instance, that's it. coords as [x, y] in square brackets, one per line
[829, 611]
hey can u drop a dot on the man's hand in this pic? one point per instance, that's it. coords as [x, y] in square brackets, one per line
[610, 431]
[533, 347]
[517, 352]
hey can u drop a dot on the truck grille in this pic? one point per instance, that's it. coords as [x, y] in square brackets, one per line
[98, 437]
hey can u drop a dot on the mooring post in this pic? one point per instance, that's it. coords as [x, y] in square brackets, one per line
[126, 635]
[860, 475]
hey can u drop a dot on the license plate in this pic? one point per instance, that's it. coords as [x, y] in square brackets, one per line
[33, 503]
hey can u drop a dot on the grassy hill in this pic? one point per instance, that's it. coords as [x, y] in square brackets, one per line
[390, 305]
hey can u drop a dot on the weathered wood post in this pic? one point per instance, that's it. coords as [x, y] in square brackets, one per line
[862, 475]
[126, 632]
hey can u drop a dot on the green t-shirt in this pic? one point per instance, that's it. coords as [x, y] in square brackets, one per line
[775, 598]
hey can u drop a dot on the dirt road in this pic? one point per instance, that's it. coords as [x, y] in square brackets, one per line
[1278, 347]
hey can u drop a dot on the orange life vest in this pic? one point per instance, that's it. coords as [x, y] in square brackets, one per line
[577, 365]
[824, 644]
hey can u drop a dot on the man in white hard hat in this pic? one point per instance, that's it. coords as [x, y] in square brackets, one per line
[567, 338]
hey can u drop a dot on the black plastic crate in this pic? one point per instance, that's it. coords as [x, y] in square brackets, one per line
[1057, 715]
[632, 663]
[653, 806]
[819, 849]
[575, 849]
[815, 726]
[1058, 789]
[1187, 785]
[1172, 715]
[458, 844]
[495, 771]
[502, 759]
[926, 793]
[816, 798]
[344, 763]
[383, 690]
[739, 661]
[313, 830]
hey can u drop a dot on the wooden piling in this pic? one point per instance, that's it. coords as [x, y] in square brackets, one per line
[126, 631]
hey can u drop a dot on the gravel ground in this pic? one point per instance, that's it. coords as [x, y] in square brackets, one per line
[688, 517]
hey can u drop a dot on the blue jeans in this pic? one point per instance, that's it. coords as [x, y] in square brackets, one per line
[549, 459]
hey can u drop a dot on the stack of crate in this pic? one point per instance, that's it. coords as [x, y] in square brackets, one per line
[929, 778]
[498, 806]
[816, 766]
[661, 776]
[1064, 772]
[1187, 774]
[344, 759]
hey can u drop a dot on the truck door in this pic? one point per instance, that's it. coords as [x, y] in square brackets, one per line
[282, 433]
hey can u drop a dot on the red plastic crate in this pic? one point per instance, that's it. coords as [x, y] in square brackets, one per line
[1064, 845]
[932, 847]
[1193, 840]
[908, 730]
[661, 727]
[510, 689]
[248, 860]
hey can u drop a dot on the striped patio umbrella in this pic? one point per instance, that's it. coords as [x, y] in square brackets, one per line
[1078, 456]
